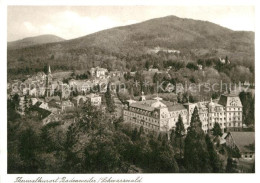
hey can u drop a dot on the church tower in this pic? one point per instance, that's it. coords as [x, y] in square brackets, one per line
[48, 82]
[142, 98]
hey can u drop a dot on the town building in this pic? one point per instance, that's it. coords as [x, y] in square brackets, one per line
[67, 106]
[154, 115]
[160, 115]
[233, 111]
[94, 99]
[98, 72]
[244, 142]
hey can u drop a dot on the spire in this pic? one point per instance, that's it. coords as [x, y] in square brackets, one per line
[49, 70]
[142, 97]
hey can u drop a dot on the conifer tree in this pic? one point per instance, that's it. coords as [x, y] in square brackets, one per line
[217, 130]
[231, 166]
[213, 156]
[196, 157]
[179, 133]
[109, 100]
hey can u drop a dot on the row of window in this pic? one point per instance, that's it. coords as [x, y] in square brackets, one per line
[147, 113]
[141, 117]
[234, 109]
[147, 124]
[229, 124]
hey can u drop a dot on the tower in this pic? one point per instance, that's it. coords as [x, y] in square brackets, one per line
[142, 98]
[48, 82]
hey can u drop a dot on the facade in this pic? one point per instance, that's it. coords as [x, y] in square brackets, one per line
[154, 115]
[244, 142]
[233, 111]
[159, 115]
[81, 99]
[94, 99]
[67, 106]
[98, 72]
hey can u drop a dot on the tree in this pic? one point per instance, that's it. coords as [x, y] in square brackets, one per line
[248, 103]
[226, 60]
[28, 149]
[192, 66]
[231, 166]
[217, 130]
[141, 131]
[179, 133]
[213, 156]
[26, 104]
[196, 157]
[45, 69]
[134, 134]
[109, 100]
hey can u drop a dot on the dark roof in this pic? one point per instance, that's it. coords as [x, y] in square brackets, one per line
[142, 106]
[176, 107]
[55, 98]
[226, 99]
[43, 112]
[53, 104]
[223, 100]
[147, 105]
[243, 140]
[37, 104]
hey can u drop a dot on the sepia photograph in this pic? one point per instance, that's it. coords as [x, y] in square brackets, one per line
[130, 89]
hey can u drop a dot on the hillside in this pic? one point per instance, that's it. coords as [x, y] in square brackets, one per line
[193, 38]
[30, 41]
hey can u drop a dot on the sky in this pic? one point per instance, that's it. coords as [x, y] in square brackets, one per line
[71, 22]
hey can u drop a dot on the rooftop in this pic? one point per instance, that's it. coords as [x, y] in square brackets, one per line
[243, 140]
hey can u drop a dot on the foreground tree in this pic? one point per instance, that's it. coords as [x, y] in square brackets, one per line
[213, 156]
[217, 130]
[248, 103]
[179, 133]
[231, 166]
[196, 156]
[109, 100]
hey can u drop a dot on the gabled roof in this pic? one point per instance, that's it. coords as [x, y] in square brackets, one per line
[150, 105]
[176, 107]
[228, 99]
[55, 98]
[243, 140]
[42, 112]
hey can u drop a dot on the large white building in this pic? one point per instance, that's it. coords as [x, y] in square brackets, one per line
[159, 115]
[154, 115]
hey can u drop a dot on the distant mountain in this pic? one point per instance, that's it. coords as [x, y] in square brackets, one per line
[193, 38]
[169, 32]
[30, 41]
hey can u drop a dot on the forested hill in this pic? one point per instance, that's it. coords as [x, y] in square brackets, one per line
[193, 38]
[30, 41]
